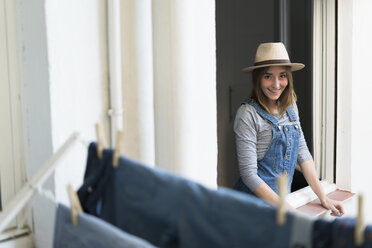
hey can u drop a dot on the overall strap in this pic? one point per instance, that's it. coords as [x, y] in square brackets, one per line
[261, 111]
[291, 114]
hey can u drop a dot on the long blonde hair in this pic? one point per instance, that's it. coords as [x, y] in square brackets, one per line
[285, 100]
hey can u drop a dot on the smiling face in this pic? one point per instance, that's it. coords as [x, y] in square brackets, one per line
[273, 83]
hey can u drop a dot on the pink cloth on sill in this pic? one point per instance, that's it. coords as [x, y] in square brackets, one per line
[314, 207]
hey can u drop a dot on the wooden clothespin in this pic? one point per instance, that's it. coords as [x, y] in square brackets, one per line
[119, 140]
[281, 210]
[75, 205]
[101, 141]
[359, 225]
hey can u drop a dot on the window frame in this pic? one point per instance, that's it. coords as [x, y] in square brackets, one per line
[324, 88]
[14, 170]
[344, 110]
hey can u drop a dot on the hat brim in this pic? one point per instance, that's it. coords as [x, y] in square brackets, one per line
[294, 66]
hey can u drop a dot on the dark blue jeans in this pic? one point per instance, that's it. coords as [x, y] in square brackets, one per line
[91, 232]
[338, 233]
[170, 211]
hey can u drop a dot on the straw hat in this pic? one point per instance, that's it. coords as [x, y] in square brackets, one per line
[272, 54]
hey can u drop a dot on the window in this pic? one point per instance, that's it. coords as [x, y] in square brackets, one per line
[308, 30]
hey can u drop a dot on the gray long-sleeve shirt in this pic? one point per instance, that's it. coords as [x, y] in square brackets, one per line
[253, 135]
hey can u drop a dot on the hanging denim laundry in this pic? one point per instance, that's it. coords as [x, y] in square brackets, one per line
[91, 232]
[170, 211]
[338, 233]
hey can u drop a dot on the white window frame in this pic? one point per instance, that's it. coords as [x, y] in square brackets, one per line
[324, 86]
[344, 103]
[11, 169]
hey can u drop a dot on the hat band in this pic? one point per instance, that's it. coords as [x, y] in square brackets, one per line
[273, 61]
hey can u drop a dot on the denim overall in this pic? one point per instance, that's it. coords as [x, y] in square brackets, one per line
[281, 155]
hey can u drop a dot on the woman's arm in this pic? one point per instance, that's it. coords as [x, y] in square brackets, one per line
[246, 145]
[306, 162]
[308, 170]
[267, 194]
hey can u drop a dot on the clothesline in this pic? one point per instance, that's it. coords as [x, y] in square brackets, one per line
[18, 202]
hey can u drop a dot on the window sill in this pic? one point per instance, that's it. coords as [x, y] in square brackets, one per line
[307, 202]
[16, 238]
[303, 196]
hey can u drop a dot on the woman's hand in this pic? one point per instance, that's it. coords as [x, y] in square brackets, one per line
[308, 169]
[334, 206]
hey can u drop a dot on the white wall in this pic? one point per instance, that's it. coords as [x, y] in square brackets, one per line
[185, 88]
[35, 102]
[169, 86]
[354, 122]
[361, 120]
[138, 86]
[64, 88]
[78, 74]
[7, 124]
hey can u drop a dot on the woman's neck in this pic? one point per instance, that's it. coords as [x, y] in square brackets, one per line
[273, 107]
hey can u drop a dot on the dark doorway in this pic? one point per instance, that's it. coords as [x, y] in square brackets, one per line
[240, 27]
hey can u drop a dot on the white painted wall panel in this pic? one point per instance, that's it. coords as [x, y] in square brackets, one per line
[138, 88]
[361, 119]
[64, 86]
[185, 88]
[78, 70]
[354, 122]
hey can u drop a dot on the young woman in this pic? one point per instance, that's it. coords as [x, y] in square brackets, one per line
[268, 133]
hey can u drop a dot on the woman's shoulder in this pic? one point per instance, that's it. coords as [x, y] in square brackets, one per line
[295, 108]
[247, 109]
[248, 114]
[246, 117]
